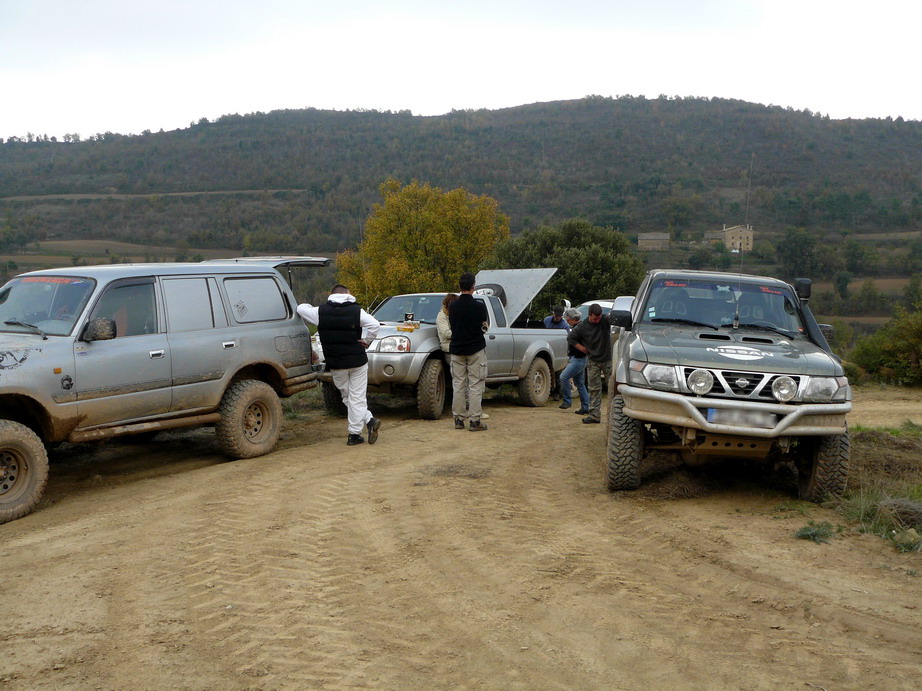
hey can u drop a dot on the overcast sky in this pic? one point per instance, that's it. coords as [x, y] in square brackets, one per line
[92, 66]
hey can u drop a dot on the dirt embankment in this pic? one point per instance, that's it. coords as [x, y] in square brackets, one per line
[440, 558]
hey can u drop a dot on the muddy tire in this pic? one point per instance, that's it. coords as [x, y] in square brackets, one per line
[431, 390]
[333, 399]
[625, 447]
[251, 418]
[823, 473]
[535, 388]
[23, 470]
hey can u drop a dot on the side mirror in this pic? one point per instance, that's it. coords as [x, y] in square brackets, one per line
[802, 288]
[101, 329]
[827, 331]
[620, 318]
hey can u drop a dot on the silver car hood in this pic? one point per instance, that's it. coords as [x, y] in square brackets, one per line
[518, 287]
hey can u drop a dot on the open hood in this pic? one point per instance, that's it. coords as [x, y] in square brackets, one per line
[515, 288]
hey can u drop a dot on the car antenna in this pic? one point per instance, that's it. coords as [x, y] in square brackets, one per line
[739, 246]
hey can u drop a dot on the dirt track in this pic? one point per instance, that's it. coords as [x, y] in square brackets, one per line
[440, 558]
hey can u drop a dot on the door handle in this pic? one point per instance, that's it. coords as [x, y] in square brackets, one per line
[156, 354]
[229, 344]
[492, 337]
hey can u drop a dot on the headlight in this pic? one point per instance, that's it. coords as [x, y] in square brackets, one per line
[827, 389]
[655, 376]
[394, 344]
[784, 389]
[701, 381]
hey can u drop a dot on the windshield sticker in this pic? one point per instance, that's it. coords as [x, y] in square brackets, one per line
[771, 291]
[675, 284]
[740, 352]
[52, 279]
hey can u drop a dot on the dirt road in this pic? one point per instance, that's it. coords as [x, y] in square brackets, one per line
[439, 559]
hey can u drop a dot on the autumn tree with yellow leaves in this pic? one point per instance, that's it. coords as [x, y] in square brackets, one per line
[421, 239]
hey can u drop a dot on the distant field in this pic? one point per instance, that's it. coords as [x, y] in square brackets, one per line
[904, 235]
[886, 286]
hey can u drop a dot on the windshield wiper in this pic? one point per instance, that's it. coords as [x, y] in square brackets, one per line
[760, 327]
[690, 322]
[35, 329]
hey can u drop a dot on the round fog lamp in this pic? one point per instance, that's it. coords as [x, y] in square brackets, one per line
[700, 382]
[784, 389]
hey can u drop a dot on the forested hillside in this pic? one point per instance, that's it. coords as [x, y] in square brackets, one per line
[305, 180]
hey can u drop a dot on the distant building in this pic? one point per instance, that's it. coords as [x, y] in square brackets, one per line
[733, 238]
[653, 241]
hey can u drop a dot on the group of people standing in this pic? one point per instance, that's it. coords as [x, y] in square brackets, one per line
[346, 331]
[589, 350]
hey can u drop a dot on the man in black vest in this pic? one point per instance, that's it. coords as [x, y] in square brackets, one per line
[340, 323]
[468, 319]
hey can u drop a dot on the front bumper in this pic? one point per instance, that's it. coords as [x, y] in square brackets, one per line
[391, 369]
[805, 419]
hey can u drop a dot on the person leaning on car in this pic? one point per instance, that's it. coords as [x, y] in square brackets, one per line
[593, 337]
[340, 322]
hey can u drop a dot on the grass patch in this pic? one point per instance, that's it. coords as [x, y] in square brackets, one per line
[818, 532]
[884, 495]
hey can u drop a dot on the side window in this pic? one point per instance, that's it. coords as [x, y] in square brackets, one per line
[483, 300]
[188, 304]
[131, 306]
[498, 311]
[255, 299]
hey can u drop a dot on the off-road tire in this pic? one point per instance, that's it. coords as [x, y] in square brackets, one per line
[625, 447]
[431, 390]
[823, 472]
[535, 387]
[251, 418]
[333, 399]
[23, 470]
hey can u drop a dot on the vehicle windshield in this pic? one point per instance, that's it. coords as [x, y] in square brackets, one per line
[424, 308]
[43, 304]
[717, 305]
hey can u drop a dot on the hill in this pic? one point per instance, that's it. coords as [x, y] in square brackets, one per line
[305, 180]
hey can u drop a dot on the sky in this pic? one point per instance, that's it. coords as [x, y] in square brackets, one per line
[125, 66]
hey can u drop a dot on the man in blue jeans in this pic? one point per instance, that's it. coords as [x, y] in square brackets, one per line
[574, 371]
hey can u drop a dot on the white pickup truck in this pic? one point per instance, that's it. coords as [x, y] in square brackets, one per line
[406, 358]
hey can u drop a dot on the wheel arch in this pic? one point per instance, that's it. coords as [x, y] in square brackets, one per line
[29, 412]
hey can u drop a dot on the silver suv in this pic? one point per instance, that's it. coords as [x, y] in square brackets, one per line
[95, 352]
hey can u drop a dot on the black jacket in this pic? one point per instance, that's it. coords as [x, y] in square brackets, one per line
[340, 330]
[466, 316]
[595, 337]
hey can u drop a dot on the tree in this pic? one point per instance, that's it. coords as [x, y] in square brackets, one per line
[797, 254]
[592, 262]
[912, 294]
[841, 280]
[894, 352]
[421, 239]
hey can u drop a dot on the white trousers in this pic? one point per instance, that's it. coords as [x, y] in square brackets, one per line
[353, 386]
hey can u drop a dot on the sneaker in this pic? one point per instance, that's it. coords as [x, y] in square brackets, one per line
[564, 406]
[459, 423]
[373, 425]
[582, 411]
[354, 439]
[477, 426]
[591, 421]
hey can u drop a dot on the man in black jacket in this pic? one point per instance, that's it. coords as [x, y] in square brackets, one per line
[468, 319]
[593, 337]
[340, 323]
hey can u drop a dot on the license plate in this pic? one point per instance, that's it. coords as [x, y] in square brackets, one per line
[741, 418]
